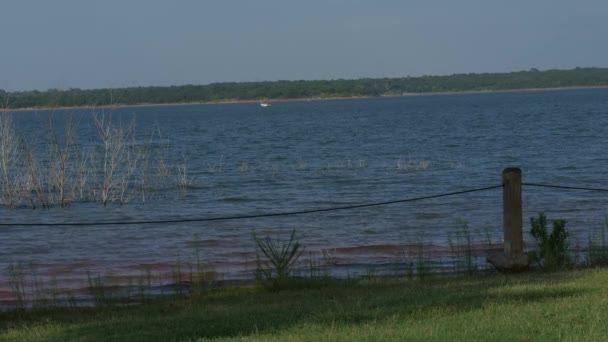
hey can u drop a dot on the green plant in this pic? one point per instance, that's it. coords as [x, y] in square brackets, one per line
[176, 276]
[423, 263]
[417, 261]
[552, 248]
[144, 284]
[571, 303]
[312, 266]
[97, 289]
[321, 265]
[598, 245]
[54, 291]
[275, 258]
[201, 274]
[461, 247]
[39, 295]
[17, 281]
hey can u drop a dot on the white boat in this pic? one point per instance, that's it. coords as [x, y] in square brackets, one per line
[265, 104]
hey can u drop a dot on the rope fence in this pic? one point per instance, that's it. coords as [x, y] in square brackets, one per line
[243, 217]
[456, 249]
[563, 187]
[289, 213]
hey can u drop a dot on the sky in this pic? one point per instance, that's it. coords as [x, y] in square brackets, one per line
[123, 43]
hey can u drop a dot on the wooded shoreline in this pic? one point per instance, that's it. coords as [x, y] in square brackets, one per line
[280, 91]
[26, 109]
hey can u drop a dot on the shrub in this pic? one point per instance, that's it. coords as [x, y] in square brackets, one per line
[552, 248]
[276, 258]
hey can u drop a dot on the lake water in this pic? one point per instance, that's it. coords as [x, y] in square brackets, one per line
[242, 159]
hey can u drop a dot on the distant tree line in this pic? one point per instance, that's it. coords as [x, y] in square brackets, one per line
[270, 90]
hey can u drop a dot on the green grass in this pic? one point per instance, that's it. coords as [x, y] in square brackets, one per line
[569, 305]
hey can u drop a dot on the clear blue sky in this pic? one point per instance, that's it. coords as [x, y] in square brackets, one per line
[118, 43]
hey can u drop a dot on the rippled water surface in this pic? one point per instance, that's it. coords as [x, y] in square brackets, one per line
[244, 159]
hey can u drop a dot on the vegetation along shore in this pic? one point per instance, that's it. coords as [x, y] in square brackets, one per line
[556, 299]
[306, 89]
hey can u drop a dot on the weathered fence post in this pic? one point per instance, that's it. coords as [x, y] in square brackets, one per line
[513, 258]
[511, 212]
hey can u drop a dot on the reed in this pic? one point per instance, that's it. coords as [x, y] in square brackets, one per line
[201, 274]
[39, 292]
[97, 289]
[423, 263]
[29, 289]
[17, 281]
[177, 275]
[184, 180]
[163, 169]
[461, 247]
[314, 267]
[216, 167]
[277, 268]
[598, 245]
[417, 261]
[9, 155]
[113, 167]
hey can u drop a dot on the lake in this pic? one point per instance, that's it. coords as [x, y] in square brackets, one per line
[242, 159]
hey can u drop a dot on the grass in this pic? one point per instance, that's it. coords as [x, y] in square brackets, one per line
[534, 306]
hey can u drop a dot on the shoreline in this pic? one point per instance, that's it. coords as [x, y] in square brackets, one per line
[303, 99]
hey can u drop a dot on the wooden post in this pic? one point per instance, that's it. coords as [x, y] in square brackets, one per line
[513, 258]
[512, 216]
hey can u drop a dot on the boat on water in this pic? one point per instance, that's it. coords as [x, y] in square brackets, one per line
[265, 104]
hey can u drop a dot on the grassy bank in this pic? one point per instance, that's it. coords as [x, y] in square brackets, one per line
[570, 305]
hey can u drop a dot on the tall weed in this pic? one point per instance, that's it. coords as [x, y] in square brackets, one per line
[276, 258]
[17, 280]
[461, 246]
[598, 245]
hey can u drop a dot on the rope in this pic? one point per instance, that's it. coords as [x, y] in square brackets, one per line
[243, 217]
[563, 187]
